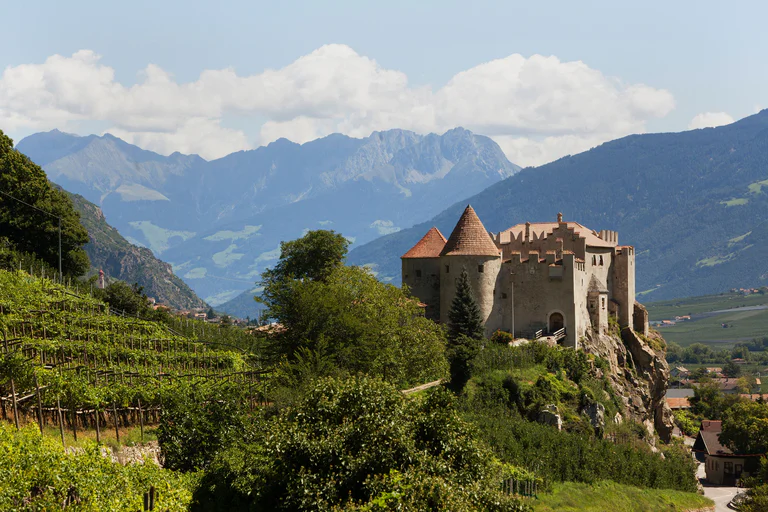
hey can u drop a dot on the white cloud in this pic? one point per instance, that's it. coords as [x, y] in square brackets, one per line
[538, 108]
[710, 120]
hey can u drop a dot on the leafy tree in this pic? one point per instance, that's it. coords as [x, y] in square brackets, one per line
[464, 315]
[210, 314]
[30, 230]
[731, 369]
[312, 257]
[363, 324]
[197, 422]
[745, 428]
[123, 297]
[359, 444]
[708, 401]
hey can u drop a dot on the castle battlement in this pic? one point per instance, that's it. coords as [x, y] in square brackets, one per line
[543, 276]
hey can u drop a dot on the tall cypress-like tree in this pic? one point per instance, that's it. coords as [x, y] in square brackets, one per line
[464, 315]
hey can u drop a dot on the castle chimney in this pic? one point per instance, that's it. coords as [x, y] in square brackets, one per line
[559, 217]
[527, 231]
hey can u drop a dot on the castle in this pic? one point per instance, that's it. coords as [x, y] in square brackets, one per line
[535, 279]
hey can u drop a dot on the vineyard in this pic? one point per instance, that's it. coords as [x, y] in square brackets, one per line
[68, 360]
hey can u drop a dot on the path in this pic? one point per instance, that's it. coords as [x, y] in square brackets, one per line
[422, 387]
[720, 495]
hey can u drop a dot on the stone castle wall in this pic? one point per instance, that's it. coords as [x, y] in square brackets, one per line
[422, 276]
[483, 285]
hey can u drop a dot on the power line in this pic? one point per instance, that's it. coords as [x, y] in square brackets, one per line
[61, 276]
[27, 204]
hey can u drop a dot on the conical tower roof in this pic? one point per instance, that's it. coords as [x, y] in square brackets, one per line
[469, 238]
[428, 247]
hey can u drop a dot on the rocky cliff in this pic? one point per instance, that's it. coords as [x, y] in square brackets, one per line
[639, 374]
[120, 259]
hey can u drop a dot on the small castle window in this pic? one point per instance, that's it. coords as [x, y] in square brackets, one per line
[447, 269]
[418, 273]
[481, 268]
[601, 261]
[603, 302]
[503, 295]
[594, 260]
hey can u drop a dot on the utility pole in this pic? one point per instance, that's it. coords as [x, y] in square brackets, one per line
[61, 276]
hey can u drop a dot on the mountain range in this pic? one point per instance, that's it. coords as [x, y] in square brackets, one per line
[120, 259]
[220, 223]
[694, 204]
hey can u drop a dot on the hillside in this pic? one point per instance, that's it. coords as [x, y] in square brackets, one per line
[693, 204]
[51, 330]
[220, 223]
[119, 259]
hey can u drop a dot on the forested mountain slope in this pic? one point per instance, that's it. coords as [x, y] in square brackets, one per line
[694, 205]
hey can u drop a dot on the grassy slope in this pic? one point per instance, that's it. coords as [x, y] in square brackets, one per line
[605, 496]
[743, 325]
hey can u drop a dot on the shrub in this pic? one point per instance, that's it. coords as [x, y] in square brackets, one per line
[359, 444]
[198, 421]
[502, 337]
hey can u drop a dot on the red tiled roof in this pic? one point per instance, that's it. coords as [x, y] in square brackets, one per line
[678, 403]
[428, 247]
[469, 238]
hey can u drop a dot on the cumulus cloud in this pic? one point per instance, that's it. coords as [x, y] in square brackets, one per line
[710, 120]
[538, 108]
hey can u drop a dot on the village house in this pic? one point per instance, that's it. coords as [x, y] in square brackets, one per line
[556, 279]
[679, 372]
[721, 465]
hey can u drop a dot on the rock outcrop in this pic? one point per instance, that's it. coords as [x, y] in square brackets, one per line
[639, 374]
[549, 416]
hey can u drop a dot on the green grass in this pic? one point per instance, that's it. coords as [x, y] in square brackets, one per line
[741, 201]
[130, 436]
[743, 325]
[611, 496]
[757, 187]
[668, 309]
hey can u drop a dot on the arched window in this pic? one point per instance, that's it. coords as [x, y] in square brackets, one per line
[601, 261]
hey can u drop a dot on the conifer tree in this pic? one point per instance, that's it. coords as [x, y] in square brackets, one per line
[464, 315]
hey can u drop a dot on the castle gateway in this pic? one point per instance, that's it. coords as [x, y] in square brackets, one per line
[545, 278]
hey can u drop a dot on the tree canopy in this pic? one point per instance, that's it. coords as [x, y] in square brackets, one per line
[359, 444]
[745, 428]
[29, 230]
[362, 324]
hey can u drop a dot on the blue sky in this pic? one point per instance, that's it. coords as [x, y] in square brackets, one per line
[691, 58]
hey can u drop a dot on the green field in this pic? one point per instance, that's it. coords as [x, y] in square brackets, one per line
[603, 496]
[743, 325]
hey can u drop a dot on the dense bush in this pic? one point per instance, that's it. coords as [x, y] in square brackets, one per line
[36, 474]
[198, 421]
[530, 377]
[565, 456]
[359, 444]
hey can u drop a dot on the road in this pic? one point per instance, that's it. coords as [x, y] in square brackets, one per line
[720, 495]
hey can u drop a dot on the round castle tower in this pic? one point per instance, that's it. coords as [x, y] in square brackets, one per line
[471, 247]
